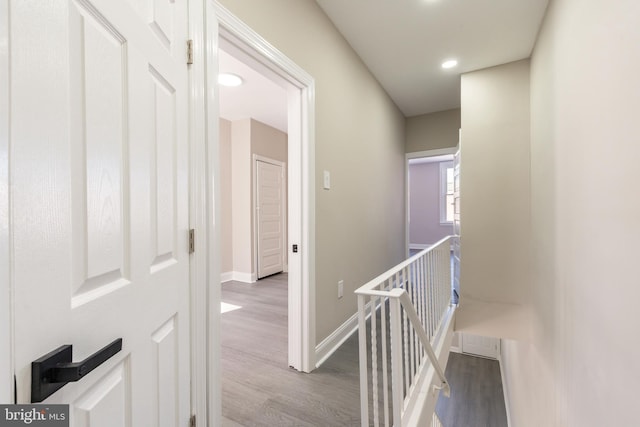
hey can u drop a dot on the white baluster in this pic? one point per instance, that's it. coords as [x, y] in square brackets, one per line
[374, 363]
[385, 373]
[362, 341]
[396, 361]
[411, 369]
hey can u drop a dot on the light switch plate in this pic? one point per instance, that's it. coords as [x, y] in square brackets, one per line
[327, 180]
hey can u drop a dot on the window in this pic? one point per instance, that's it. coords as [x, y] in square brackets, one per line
[446, 193]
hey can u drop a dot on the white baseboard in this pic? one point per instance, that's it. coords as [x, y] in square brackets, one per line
[244, 277]
[330, 344]
[505, 391]
[455, 349]
[238, 277]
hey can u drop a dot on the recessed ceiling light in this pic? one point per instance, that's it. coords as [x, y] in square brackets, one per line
[450, 63]
[228, 79]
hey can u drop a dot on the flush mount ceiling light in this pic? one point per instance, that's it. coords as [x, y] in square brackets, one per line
[449, 63]
[228, 79]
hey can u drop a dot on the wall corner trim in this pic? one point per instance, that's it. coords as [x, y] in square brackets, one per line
[505, 390]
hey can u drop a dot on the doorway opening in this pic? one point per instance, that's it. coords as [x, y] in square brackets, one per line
[253, 151]
[243, 44]
[430, 201]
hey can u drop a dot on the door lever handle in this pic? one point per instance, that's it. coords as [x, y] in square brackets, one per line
[55, 369]
[70, 372]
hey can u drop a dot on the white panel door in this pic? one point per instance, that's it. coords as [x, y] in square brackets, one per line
[99, 188]
[480, 346]
[270, 212]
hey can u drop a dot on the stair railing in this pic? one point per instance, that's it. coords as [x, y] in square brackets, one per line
[406, 307]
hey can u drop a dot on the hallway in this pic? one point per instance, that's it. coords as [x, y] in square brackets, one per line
[259, 390]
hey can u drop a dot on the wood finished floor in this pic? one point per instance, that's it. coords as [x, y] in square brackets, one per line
[477, 399]
[258, 389]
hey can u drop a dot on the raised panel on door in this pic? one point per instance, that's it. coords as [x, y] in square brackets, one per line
[162, 13]
[99, 142]
[166, 369]
[107, 402]
[270, 218]
[100, 195]
[163, 173]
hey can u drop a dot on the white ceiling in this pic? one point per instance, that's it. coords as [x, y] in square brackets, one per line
[258, 97]
[404, 42]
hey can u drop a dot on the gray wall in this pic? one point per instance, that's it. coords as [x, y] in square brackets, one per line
[359, 140]
[241, 225]
[432, 131]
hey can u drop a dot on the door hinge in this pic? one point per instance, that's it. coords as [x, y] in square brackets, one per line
[192, 421]
[189, 52]
[192, 241]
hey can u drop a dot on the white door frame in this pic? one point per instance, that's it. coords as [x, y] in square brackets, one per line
[206, 394]
[417, 155]
[6, 293]
[256, 225]
[239, 39]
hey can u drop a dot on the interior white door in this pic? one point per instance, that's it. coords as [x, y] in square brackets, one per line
[480, 346]
[99, 187]
[270, 212]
